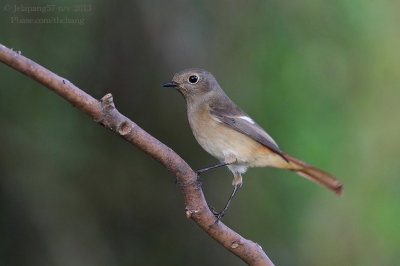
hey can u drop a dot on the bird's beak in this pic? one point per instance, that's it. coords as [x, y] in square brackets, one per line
[171, 84]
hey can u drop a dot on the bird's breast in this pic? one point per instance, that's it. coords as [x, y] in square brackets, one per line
[224, 142]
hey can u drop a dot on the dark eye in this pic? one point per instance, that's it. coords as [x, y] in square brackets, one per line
[193, 79]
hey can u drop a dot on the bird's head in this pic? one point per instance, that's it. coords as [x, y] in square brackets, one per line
[194, 83]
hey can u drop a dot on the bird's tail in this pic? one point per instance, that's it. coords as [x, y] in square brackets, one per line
[314, 174]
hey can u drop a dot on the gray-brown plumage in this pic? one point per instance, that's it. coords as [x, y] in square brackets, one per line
[230, 135]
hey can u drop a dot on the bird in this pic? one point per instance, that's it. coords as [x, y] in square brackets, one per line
[230, 135]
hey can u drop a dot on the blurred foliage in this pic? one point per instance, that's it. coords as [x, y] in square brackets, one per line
[321, 76]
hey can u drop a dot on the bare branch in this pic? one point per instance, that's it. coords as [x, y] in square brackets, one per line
[106, 114]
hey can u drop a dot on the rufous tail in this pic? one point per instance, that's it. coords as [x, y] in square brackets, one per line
[314, 174]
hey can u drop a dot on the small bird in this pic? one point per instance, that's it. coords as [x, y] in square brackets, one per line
[231, 136]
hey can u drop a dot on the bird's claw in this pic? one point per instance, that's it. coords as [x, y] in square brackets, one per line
[212, 209]
[216, 213]
[219, 216]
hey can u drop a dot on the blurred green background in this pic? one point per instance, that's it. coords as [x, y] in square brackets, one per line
[322, 77]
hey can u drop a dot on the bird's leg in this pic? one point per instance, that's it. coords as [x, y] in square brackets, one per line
[202, 170]
[221, 214]
[228, 160]
[236, 183]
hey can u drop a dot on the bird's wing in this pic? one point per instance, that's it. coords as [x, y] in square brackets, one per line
[235, 118]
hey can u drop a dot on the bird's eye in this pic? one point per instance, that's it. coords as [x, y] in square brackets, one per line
[193, 79]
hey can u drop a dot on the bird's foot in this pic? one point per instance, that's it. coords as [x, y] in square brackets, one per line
[212, 209]
[217, 214]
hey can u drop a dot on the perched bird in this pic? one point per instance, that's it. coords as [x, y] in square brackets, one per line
[231, 136]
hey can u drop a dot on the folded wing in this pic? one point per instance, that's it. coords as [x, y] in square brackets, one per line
[235, 118]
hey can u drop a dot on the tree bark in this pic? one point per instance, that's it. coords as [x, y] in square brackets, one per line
[105, 113]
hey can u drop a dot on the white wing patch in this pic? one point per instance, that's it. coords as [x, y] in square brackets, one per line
[248, 119]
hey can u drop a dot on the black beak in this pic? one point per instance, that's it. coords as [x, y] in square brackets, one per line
[170, 84]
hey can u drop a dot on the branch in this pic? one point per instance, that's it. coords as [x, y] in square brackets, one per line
[105, 113]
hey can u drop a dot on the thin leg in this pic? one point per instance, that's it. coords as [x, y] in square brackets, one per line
[202, 170]
[221, 214]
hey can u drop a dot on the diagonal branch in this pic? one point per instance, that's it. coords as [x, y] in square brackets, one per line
[105, 113]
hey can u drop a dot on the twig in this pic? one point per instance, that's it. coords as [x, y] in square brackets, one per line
[105, 113]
